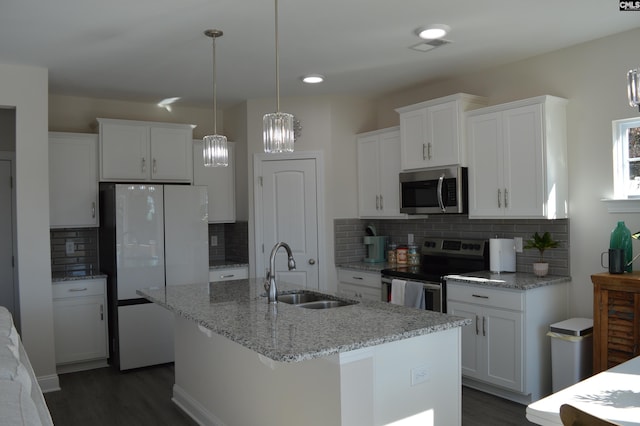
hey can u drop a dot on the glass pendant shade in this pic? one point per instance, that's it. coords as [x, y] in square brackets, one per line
[215, 151]
[278, 133]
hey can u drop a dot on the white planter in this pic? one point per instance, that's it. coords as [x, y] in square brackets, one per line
[541, 269]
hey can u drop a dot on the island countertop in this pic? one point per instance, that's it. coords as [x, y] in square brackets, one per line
[238, 310]
[508, 280]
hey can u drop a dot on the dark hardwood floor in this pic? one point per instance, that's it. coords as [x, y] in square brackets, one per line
[105, 397]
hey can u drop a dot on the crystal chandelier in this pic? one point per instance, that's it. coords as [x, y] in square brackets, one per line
[215, 151]
[278, 132]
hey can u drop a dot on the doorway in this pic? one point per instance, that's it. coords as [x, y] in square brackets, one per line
[8, 282]
[288, 206]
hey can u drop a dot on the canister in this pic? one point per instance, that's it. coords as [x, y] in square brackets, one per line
[401, 255]
[391, 253]
[413, 257]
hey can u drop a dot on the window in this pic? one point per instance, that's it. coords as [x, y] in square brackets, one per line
[626, 158]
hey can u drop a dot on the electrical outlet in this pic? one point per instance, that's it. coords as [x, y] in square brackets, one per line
[419, 375]
[70, 247]
[518, 244]
[214, 240]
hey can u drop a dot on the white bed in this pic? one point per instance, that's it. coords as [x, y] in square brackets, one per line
[21, 399]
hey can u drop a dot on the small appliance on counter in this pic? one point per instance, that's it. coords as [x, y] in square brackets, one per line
[376, 246]
[502, 255]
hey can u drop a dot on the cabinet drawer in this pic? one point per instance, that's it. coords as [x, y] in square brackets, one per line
[360, 292]
[78, 288]
[366, 279]
[504, 299]
[227, 274]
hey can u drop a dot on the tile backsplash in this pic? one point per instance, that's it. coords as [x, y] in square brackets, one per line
[349, 247]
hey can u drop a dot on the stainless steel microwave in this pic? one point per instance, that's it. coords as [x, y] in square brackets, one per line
[434, 191]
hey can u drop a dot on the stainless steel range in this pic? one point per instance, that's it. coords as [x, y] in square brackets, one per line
[439, 257]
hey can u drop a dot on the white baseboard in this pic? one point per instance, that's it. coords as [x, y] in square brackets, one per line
[49, 383]
[81, 366]
[193, 408]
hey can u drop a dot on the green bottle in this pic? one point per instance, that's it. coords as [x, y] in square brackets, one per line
[621, 238]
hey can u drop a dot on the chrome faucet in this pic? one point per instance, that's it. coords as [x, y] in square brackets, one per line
[271, 275]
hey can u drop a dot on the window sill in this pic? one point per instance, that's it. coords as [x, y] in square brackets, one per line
[622, 205]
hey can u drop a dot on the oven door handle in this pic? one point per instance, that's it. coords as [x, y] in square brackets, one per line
[440, 200]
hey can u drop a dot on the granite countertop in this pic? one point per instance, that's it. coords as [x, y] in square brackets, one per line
[59, 279]
[512, 280]
[286, 333]
[222, 264]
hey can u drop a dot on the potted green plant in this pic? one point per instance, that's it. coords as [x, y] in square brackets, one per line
[541, 243]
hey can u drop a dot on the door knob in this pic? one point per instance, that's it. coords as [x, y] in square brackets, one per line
[312, 261]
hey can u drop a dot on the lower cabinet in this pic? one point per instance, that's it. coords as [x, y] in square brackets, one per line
[228, 274]
[80, 321]
[505, 349]
[360, 285]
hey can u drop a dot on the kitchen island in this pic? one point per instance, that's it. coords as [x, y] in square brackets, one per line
[241, 361]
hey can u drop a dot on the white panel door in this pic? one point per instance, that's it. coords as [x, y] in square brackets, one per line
[369, 176]
[186, 231]
[124, 152]
[171, 156]
[503, 352]
[485, 165]
[7, 293]
[471, 335]
[139, 238]
[289, 202]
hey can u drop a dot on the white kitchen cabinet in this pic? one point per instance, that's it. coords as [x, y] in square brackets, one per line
[378, 170]
[518, 160]
[145, 151]
[359, 284]
[432, 132]
[228, 274]
[505, 349]
[220, 183]
[73, 180]
[80, 321]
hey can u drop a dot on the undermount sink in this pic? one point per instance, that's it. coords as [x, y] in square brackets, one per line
[311, 300]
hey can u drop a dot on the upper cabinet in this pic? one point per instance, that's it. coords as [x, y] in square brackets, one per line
[73, 180]
[220, 183]
[432, 132]
[518, 160]
[145, 151]
[378, 169]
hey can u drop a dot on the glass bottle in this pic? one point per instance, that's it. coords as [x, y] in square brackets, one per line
[621, 239]
[391, 253]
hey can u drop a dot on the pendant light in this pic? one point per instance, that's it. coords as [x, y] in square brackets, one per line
[215, 150]
[277, 132]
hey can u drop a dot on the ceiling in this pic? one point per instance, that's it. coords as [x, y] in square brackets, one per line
[148, 50]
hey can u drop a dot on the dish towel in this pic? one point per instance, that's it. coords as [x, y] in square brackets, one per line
[397, 291]
[414, 295]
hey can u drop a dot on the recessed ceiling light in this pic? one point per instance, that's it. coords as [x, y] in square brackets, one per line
[313, 78]
[433, 31]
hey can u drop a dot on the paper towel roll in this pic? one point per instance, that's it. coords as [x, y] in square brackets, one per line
[502, 255]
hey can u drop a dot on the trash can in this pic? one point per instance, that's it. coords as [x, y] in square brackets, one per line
[571, 351]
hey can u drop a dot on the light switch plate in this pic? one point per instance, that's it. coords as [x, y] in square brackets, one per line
[420, 374]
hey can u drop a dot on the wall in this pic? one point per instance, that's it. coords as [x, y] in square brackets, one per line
[593, 77]
[26, 89]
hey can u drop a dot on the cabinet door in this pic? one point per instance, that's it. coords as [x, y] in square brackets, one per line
[503, 348]
[73, 180]
[443, 147]
[220, 183]
[524, 176]
[228, 274]
[171, 154]
[413, 134]
[471, 337]
[124, 152]
[389, 174]
[486, 189]
[369, 176]
[80, 329]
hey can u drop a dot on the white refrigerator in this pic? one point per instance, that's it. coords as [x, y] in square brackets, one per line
[150, 236]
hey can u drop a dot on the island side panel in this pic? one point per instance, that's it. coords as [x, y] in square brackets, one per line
[219, 382]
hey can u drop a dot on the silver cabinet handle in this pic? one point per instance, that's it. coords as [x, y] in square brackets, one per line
[312, 261]
[155, 166]
[377, 202]
[93, 210]
[429, 150]
[424, 146]
[484, 326]
[477, 321]
[381, 203]
[499, 197]
[227, 276]
[357, 278]
[77, 289]
[143, 165]
[480, 296]
[101, 312]
[506, 198]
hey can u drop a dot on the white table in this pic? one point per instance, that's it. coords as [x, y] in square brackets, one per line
[613, 395]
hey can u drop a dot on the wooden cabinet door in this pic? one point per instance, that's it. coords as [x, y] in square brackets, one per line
[124, 152]
[171, 154]
[73, 180]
